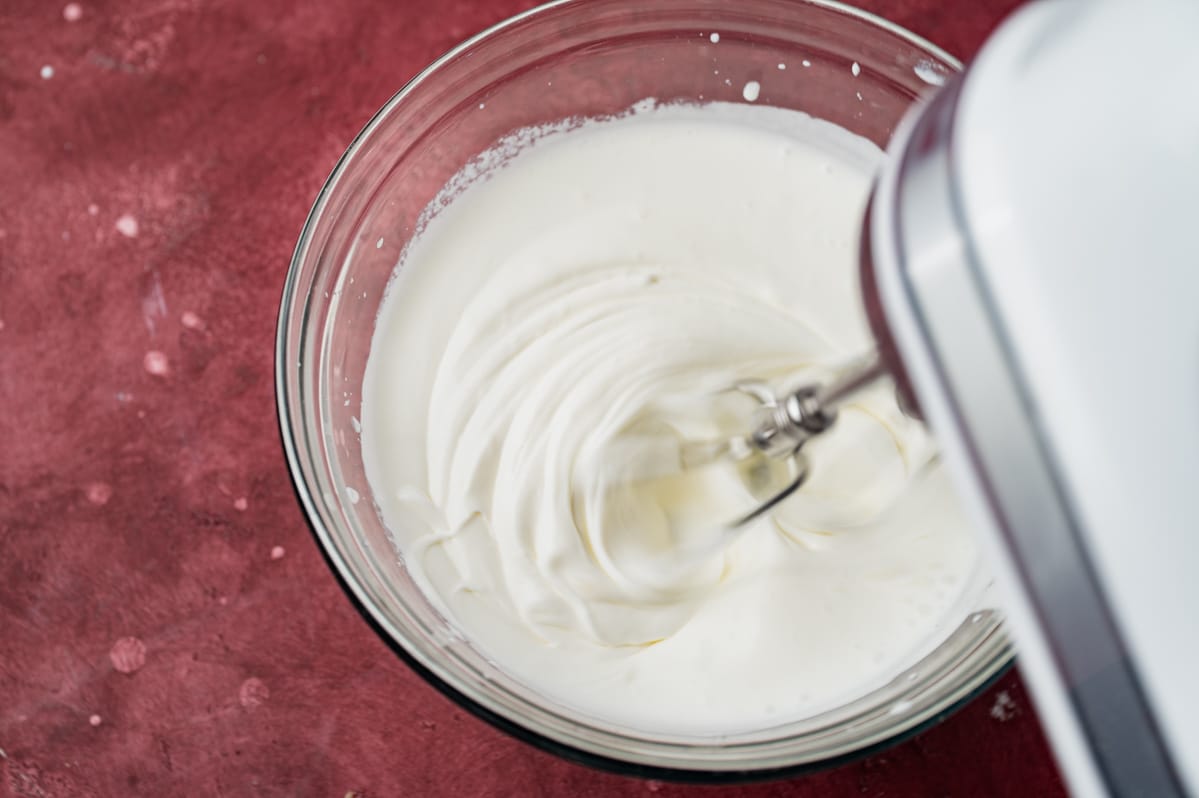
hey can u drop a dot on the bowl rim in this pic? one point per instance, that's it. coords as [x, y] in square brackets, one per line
[292, 303]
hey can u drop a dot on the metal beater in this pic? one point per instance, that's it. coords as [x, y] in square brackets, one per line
[783, 425]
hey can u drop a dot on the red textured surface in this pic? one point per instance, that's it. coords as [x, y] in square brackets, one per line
[167, 624]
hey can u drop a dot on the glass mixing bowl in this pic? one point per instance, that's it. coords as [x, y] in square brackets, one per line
[570, 59]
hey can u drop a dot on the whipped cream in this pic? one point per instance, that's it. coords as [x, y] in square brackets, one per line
[556, 331]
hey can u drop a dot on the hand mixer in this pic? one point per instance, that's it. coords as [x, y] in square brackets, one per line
[1030, 269]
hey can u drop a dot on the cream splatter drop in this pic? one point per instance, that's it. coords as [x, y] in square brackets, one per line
[93, 209]
[98, 493]
[482, 106]
[807, 63]
[253, 692]
[856, 69]
[1004, 708]
[714, 38]
[72, 12]
[354, 495]
[751, 91]
[95, 720]
[47, 72]
[156, 363]
[782, 67]
[379, 243]
[128, 655]
[859, 95]
[127, 225]
[930, 72]
[356, 424]
[240, 504]
[191, 321]
[277, 553]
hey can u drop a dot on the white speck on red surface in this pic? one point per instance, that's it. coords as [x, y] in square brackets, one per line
[253, 692]
[72, 12]
[47, 72]
[128, 655]
[191, 321]
[156, 363]
[1004, 708]
[127, 225]
[240, 504]
[95, 720]
[277, 553]
[98, 493]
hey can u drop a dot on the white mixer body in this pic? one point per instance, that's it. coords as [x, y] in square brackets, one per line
[1035, 240]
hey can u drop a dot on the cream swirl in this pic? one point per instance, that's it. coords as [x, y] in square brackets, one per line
[540, 401]
[558, 328]
[525, 413]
